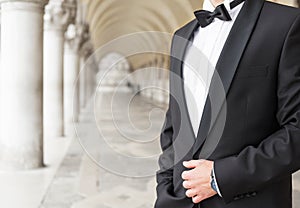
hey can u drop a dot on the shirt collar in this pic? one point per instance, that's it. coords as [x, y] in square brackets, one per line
[207, 5]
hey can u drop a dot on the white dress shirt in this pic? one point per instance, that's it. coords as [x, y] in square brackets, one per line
[201, 59]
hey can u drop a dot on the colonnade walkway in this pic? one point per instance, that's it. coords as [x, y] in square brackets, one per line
[111, 162]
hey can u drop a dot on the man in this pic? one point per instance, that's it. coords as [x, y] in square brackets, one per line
[239, 153]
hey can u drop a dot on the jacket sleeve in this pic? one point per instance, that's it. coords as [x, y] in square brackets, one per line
[279, 154]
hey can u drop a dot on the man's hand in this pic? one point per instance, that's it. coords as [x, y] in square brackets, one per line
[197, 180]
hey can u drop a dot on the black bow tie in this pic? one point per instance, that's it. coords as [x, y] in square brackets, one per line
[205, 18]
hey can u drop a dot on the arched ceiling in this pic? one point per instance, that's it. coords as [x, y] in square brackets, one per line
[127, 16]
[112, 19]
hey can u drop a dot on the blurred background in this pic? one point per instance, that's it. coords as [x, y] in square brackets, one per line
[83, 92]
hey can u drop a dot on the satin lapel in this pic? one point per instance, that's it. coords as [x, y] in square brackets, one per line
[228, 64]
[184, 142]
[182, 40]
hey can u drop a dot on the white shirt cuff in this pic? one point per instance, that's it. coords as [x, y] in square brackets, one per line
[216, 182]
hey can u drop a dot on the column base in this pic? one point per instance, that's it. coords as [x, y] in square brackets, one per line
[13, 160]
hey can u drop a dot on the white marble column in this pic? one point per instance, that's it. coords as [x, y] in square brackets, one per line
[21, 85]
[90, 77]
[166, 86]
[146, 81]
[150, 81]
[153, 82]
[71, 82]
[82, 82]
[83, 30]
[58, 15]
[162, 80]
[85, 73]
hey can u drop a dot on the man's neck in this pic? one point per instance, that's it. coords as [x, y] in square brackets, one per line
[216, 3]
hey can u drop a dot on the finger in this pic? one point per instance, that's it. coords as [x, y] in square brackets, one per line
[192, 163]
[197, 199]
[186, 175]
[190, 193]
[187, 184]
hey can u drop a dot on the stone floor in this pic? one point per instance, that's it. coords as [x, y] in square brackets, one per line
[110, 164]
[26, 189]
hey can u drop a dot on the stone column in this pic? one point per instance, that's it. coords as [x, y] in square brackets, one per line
[92, 72]
[82, 82]
[83, 32]
[71, 82]
[166, 85]
[85, 73]
[162, 80]
[58, 15]
[21, 85]
[146, 81]
[152, 83]
[149, 91]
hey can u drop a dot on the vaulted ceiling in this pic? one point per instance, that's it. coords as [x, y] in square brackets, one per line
[111, 19]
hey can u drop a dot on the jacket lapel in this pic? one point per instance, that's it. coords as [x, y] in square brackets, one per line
[183, 146]
[227, 66]
[181, 42]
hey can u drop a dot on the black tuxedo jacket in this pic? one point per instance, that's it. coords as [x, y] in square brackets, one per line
[258, 125]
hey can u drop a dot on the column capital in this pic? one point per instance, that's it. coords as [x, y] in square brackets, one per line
[76, 35]
[43, 2]
[40, 2]
[83, 32]
[59, 14]
[87, 49]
